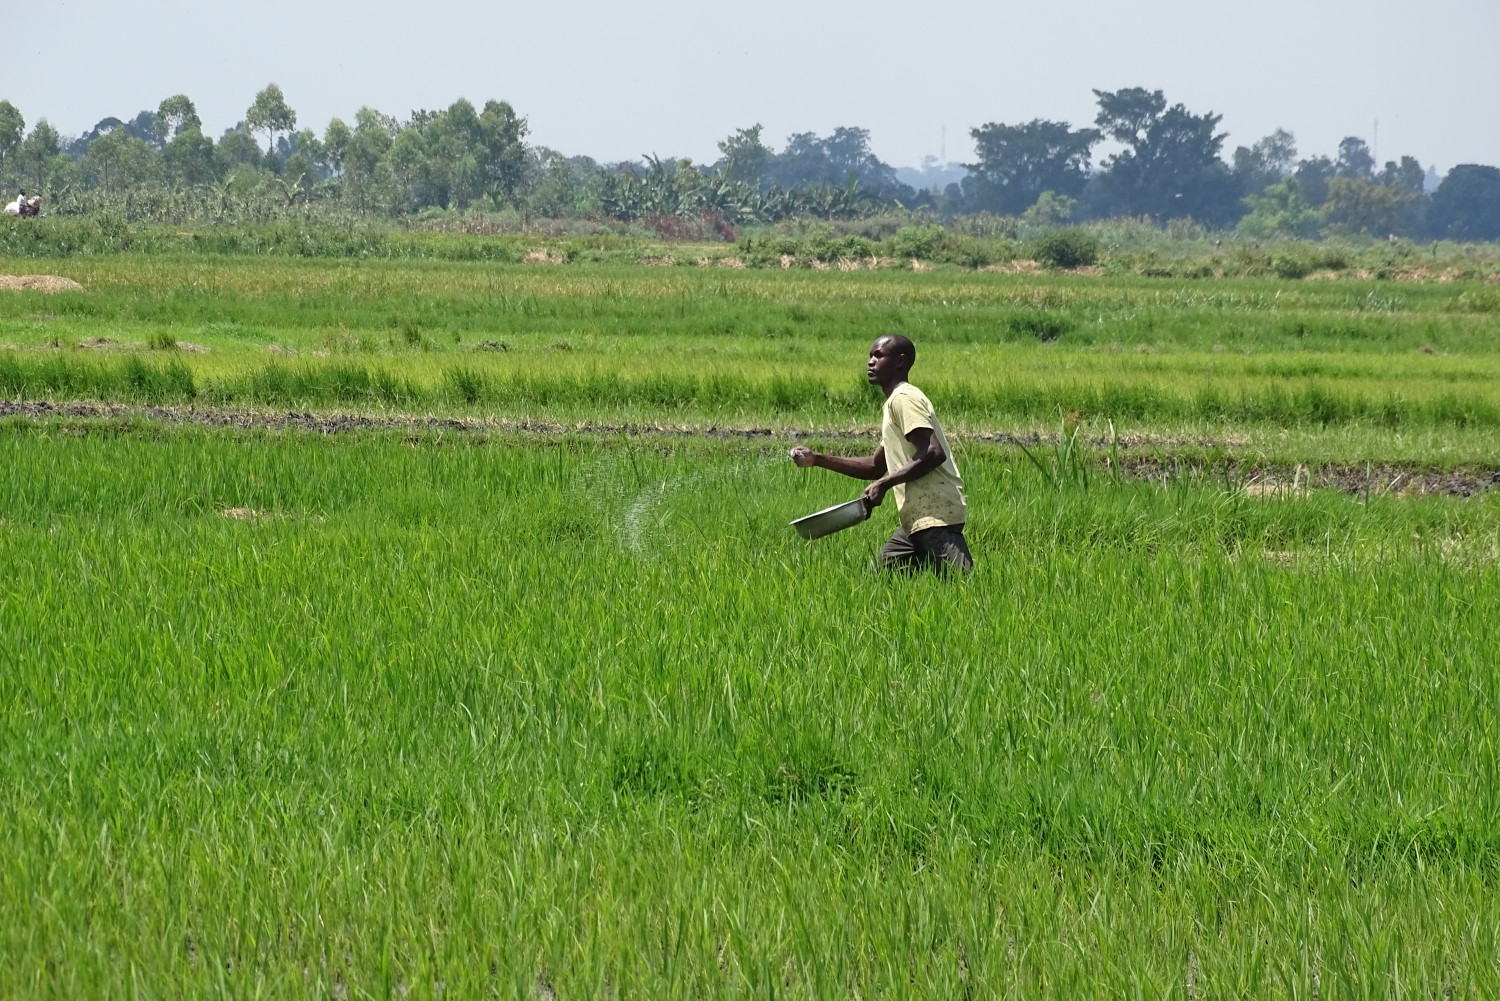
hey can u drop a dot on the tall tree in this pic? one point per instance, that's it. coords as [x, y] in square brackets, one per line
[558, 185]
[457, 145]
[236, 148]
[304, 161]
[802, 161]
[174, 116]
[808, 161]
[1313, 175]
[1408, 175]
[36, 156]
[1357, 205]
[1265, 163]
[505, 162]
[1466, 206]
[406, 162]
[188, 155]
[1354, 159]
[364, 156]
[270, 114]
[336, 139]
[143, 127]
[849, 155]
[189, 158]
[1017, 163]
[12, 128]
[104, 153]
[1170, 166]
[745, 156]
[120, 159]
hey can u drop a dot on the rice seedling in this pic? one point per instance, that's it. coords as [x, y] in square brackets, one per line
[391, 713]
[602, 342]
[402, 698]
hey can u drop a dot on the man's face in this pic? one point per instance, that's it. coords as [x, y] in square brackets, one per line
[883, 362]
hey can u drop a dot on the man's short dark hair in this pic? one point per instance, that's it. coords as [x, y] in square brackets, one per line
[905, 349]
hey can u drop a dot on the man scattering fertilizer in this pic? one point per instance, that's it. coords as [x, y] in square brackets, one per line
[915, 461]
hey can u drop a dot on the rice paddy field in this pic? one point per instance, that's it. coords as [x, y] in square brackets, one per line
[404, 629]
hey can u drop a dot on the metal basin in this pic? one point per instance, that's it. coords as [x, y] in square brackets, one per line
[831, 519]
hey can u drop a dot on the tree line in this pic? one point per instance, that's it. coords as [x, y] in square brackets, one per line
[1167, 163]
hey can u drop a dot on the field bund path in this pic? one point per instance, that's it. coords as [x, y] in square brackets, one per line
[1140, 456]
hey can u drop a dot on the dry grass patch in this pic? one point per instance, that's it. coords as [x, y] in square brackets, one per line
[1424, 274]
[1272, 489]
[1015, 268]
[39, 283]
[543, 256]
[1328, 275]
[864, 263]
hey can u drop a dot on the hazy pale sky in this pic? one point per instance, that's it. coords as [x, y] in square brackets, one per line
[617, 80]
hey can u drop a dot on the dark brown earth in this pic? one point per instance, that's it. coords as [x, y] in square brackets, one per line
[1371, 478]
[1406, 479]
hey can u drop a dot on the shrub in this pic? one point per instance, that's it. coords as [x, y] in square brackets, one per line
[1066, 248]
[920, 242]
[1286, 264]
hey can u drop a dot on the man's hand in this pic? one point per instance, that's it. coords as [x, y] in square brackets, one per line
[802, 456]
[874, 494]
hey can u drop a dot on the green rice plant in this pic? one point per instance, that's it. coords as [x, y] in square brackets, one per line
[398, 713]
[1068, 464]
[466, 385]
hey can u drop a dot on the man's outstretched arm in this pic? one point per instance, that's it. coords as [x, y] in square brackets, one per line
[872, 468]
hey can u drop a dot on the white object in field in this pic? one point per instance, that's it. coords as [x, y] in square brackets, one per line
[831, 519]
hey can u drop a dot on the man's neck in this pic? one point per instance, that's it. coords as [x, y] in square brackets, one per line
[888, 390]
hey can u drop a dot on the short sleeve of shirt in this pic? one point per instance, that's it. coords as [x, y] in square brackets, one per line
[910, 411]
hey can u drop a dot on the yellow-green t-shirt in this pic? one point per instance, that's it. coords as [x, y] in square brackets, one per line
[938, 498]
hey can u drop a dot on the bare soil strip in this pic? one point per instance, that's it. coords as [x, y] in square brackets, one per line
[1259, 478]
[1274, 482]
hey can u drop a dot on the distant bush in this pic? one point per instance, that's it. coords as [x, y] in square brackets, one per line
[1286, 264]
[919, 242]
[1066, 248]
[1301, 260]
